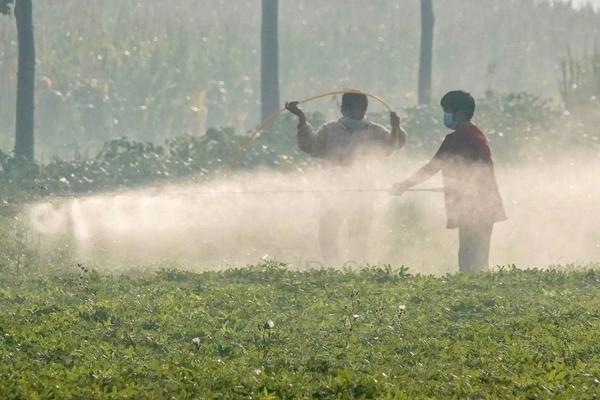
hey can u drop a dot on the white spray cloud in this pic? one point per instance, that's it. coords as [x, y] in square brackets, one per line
[553, 218]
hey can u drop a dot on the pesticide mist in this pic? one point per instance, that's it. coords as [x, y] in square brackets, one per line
[240, 219]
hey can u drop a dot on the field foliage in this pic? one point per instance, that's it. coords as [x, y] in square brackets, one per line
[268, 332]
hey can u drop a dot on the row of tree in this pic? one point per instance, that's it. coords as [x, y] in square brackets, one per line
[270, 94]
[270, 100]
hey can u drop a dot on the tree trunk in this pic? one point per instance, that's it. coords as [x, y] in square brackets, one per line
[426, 59]
[269, 58]
[24, 140]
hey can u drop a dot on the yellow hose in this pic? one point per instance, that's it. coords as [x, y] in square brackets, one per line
[246, 144]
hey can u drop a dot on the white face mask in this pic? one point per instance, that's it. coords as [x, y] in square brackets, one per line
[353, 124]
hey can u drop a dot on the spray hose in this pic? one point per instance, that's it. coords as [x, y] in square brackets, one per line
[254, 134]
[12, 209]
[255, 192]
[269, 192]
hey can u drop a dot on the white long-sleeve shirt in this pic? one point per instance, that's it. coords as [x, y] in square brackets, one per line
[334, 142]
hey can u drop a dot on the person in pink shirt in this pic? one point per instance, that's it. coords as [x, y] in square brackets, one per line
[472, 199]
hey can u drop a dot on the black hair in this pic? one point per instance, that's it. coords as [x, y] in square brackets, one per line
[459, 100]
[355, 102]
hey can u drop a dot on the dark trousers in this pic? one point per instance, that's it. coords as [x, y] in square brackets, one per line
[474, 247]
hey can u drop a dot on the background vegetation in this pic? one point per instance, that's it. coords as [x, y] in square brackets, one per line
[152, 70]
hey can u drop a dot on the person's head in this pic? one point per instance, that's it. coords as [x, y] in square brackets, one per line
[354, 105]
[459, 107]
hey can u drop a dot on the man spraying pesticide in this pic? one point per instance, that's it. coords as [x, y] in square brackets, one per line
[473, 201]
[341, 144]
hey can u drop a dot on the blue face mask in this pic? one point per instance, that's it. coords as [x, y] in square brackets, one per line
[448, 120]
[354, 124]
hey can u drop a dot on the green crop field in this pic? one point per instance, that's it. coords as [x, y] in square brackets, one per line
[272, 332]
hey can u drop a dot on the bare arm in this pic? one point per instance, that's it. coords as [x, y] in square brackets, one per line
[423, 174]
